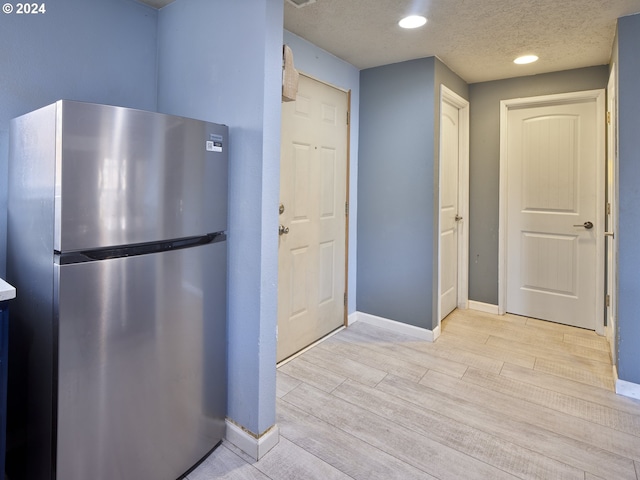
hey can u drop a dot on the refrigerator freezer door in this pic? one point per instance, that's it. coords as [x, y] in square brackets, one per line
[142, 364]
[127, 176]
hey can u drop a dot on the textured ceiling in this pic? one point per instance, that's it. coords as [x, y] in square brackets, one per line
[477, 39]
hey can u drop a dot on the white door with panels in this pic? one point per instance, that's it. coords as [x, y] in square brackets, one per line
[313, 195]
[449, 216]
[554, 221]
[453, 195]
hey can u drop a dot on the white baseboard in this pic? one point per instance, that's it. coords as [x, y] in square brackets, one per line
[436, 333]
[249, 443]
[627, 389]
[483, 307]
[352, 318]
[404, 328]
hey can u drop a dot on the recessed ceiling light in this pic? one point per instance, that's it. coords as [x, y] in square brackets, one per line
[525, 59]
[412, 21]
[301, 3]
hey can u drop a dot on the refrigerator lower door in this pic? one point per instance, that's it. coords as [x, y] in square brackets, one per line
[141, 364]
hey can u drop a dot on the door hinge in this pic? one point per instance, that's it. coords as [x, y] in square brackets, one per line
[345, 299]
[347, 117]
[607, 300]
[608, 118]
[346, 208]
[608, 209]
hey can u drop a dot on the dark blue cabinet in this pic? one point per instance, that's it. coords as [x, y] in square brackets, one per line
[4, 347]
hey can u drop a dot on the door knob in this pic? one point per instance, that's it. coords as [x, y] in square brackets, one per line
[282, 230]
[458, 218]
[587, 225]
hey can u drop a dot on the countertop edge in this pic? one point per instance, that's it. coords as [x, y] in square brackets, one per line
[7, 292]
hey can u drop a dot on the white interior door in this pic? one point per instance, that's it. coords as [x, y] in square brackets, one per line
[552, 212]
[449, 215]
[611, 211]
[453, 242]
[312, 253]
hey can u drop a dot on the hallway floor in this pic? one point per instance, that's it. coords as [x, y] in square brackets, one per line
[493, 398]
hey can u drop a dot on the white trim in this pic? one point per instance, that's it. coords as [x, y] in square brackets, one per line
[449, 96]
[255, 447]
[484, 307]
[399, 327]
[612, 194]
[436, 333]
[562, 98]
[502, 213]
[628, 389]
[352, 318]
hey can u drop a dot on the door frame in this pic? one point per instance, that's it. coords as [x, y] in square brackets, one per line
[548, 100]
[449, 96]
[612, 193]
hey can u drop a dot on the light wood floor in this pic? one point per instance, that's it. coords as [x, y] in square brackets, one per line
[494, 397]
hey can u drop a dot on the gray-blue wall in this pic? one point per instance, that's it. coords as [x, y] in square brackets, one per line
[395, 192]
[398, 189]
[222, 61]
[484, 163]
[629, 198]
[97, 51]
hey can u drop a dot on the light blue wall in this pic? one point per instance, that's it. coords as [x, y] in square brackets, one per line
[395, 192]
[221, 61]
[99, 51]
[326, 67]
[629, 199]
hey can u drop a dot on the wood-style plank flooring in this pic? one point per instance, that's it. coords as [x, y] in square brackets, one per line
[495, 397]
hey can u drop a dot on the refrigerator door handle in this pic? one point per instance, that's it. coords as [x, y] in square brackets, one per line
[67, 258]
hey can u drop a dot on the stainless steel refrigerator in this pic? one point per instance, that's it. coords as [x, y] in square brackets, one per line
[117, 244]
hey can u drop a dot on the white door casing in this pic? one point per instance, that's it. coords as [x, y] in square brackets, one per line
[552, 267]
[313, 189]
[612, 212]
[453, 237]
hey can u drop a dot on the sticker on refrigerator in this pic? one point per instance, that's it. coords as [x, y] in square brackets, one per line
[214, 144]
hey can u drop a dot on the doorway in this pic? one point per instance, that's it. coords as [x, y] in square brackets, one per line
[312, 254]
[453, 238]
[552, 208]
